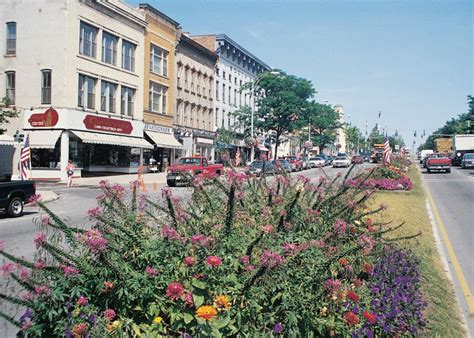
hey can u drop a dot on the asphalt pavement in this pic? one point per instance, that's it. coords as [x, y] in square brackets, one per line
[453, 196]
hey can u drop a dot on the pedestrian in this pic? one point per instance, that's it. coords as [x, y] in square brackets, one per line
[70, 172]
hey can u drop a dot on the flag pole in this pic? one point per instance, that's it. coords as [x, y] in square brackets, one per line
[29, 157]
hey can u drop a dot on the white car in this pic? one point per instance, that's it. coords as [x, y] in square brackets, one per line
[341, 161]
[317, 162]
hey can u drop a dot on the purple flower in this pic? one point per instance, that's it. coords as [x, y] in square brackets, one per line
[26, 316]
[278, 328]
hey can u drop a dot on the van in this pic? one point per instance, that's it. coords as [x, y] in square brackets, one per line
[424, 154]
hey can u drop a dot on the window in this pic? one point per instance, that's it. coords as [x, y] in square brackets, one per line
[126, 101]
[87, 44]
[223, 92]
[109, 48]
[223, 75]
[107, 96]
[157, 99]
[222, 120]
[230, 89]
[11, 38]
[217, 116]
[186, 77]
[235, 97]
[128, 56]
[10, 87]
[86, 92]
[235, 80]
[217, 90]
[158, 60]
[46, 86]
[230, 78]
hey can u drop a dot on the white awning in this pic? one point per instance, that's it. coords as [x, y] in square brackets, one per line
[45, 139]
[262, 148]
[204, 140]
[6, 140]
[98, 138]
[164, 140]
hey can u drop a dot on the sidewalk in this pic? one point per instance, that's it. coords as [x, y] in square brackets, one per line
[148, 178]
[47, 196]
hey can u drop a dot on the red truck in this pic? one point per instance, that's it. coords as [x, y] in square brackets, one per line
[438, 161]
[295, 162]
[187, 167]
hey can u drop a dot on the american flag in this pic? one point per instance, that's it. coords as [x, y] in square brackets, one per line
[25, 158]
[387, 151]
[237, 157]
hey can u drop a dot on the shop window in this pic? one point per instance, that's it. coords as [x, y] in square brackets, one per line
[10, 87]
[107, 96]
[126, 101]
[86, 92]
[157, 98]
[128, 55]
[11, 38]
[109, 48]
[87, 40]
[46, 86]
[158, 60]
[46, 158]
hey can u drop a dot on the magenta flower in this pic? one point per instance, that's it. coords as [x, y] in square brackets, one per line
[188, 299]
[42, 290]
[151, 271]
[94, 240]
[94, 212]
[189, 261]
[333, 285]
[200, 239]
[109, 314]
[8, 268]
[271, 259]
[268, 229]
[174, 291]
[70, 271]
[44, 220]
[103, 183]
[166, 192]
[213, 261]
[35, 199]
[24, 274]
[170, 233]
[82, 301]
[40, 238]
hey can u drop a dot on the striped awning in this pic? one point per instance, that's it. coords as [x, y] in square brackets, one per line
[43, 139]
[99, 138]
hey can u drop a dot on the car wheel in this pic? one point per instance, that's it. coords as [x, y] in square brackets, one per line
[171, 183]
[428, 171]
[15, 207]
[448, 171]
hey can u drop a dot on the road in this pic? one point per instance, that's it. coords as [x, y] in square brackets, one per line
[453, 196]
[72, 206]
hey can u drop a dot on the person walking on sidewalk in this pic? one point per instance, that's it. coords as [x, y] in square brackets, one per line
[70, 172]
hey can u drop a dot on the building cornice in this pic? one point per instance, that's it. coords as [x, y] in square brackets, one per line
[187, 42]
[160, 14]
[124, 10]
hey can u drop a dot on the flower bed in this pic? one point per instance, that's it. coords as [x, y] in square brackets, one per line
[243, 257]
[382, 178]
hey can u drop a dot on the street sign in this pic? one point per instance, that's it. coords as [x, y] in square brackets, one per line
[397, 146]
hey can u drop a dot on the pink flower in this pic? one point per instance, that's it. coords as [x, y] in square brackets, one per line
[174, 291]
[317, 243]
[268, 229]
[82, 301]
[333, 285]
[240, 195]
[166, 192]
[366, 242]
[24, 274]
[109, 314]
[170, 233]
[39, 264]
[70, 271]
[94, 240]
[151, 271]
[213, 261]
[200, 240]
[249, 267]
[8, 268]
[103, 183]
[35, 199]
[340, 226]
[189, 261]
[244, 259]
[271, 259]
[44, 220]
[42, 290]
[198, 180]
[40, 238]
[94, 212]
[118, 190]
[188, 299]
[27, 295]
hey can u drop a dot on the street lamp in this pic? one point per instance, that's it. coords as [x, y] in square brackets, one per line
[252, 94]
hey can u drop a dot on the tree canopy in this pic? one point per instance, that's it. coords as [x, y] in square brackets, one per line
[6, 114]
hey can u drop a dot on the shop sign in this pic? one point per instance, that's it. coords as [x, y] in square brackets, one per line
[135, 151]
[157, 128]
[105, 124]
[47, 119]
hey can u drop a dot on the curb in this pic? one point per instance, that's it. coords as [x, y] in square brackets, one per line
[52, 196]
[442, 254]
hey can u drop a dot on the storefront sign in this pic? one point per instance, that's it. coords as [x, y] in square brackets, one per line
[135, 151]
[157, 128]
[47, 119]
[105, 124]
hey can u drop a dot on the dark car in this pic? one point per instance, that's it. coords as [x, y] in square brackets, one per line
[282, 165]
[258, 168]
[467, 161]
[14, 195]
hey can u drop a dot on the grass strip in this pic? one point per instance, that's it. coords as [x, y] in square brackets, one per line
[443, 312]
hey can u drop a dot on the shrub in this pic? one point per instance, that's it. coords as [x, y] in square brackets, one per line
[240, 257]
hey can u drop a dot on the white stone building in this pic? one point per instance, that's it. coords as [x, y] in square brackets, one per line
[74, 68]
[340, 141]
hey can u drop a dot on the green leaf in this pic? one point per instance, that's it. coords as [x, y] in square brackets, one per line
[199, 284]
[188, 318]
[198, 300]
[220, 323]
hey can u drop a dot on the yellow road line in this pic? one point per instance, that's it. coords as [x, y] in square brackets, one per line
[457, 267]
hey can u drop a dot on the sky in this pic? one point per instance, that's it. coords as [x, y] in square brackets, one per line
[411, 60]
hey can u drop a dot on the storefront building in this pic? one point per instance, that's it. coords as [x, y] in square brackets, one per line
[159, 100]
[79, 86]
[194, 118]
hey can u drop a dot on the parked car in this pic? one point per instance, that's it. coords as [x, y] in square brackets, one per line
[357, 159]
[306, 164]
[438, 161]
[317, 162]
[258, 168]
[296, 163]
[329, 159]
[341, 161]
[14, 195]
[467, 161]
[187, 167]
[282, 165]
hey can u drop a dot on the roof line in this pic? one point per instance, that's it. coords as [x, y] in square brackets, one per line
[159, 13]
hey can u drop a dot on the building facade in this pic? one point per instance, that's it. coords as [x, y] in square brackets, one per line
[340, 141]
[194, 118]
[78, 82]
[159, 101]
[236, 67]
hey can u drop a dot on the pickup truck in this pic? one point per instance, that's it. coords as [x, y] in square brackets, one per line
[14, 194]
[187, 167]
[438, 161]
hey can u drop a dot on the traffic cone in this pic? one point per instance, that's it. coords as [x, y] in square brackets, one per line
[155, 187]
[142, 185]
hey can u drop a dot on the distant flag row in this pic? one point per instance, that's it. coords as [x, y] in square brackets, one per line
[25, 158]
[387, 151]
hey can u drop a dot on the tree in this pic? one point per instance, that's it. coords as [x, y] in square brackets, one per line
[280, 100]
[6, 114]
[353, 136]
[324, 121]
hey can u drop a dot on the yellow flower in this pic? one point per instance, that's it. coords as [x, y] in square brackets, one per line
[157, 320]
[114, 325]
[76, 312]
[222, 301]
[206, 312]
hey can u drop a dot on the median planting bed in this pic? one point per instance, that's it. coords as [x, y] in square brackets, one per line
[241, 257]
[384, 177]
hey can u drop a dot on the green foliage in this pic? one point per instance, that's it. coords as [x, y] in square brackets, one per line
[353, 137]
[324, 121]
[6, 114]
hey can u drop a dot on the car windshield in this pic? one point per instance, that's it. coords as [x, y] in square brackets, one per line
[190, 161]
[257, 164]
[438, 156]
[469, 156]
[290, 158]
[341, 158]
